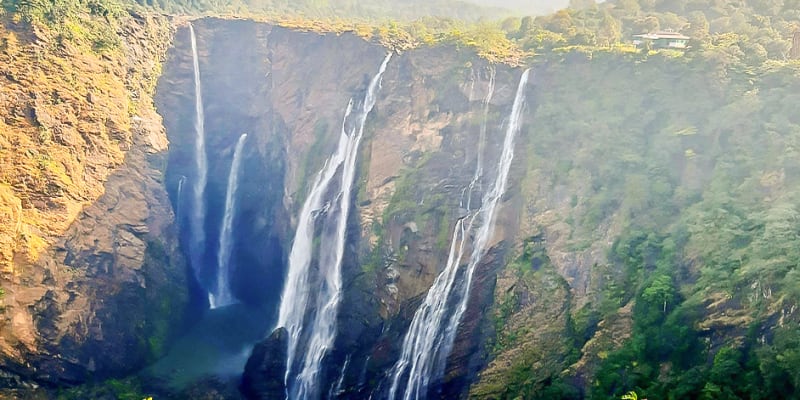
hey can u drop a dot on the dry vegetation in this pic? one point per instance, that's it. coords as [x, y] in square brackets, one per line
[66, 108]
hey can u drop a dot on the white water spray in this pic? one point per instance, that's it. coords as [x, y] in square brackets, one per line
[179, 201]
[336, 388]
[431, 335]
[334, 208]
[196, 223]
[222, 296]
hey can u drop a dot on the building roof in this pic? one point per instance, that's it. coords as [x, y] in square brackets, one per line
[668, 34]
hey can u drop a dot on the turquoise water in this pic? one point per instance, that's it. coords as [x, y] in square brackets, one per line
[216, 347]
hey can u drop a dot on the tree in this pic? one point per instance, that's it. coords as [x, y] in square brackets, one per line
[525, 27]
[561, 22]
[646, 24]
[526, 24]
[630, 396]
[610, 31]
[511, 24]
[767, 7]
[647, 5]
[631, 7]
[698, 27]
[725, 375]
[660, 291]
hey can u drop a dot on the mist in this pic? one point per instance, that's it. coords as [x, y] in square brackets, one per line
[526, 7]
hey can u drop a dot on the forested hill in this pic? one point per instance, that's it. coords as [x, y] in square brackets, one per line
[377, 9]
[760, 29]
[750, 32]
[742, 31]
[526, 7]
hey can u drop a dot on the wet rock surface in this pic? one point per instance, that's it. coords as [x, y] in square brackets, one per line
[264, 373]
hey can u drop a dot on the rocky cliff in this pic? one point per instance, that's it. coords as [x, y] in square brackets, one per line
[93, 283]
[643, 232]
[616, 169]
[289, 91]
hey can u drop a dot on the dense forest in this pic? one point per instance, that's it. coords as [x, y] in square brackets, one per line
[750, 32]
[700, 172]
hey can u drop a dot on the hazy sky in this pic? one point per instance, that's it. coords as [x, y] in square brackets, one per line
[528, 6]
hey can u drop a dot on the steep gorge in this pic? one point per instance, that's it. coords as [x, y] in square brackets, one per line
[617, 161]
[617, 180]
[427, 112]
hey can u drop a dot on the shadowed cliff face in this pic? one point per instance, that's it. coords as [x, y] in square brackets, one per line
[288, 91]
[275, 86]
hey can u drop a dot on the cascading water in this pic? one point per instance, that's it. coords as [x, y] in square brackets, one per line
[222, 296]
[336, 387]
[451, 328]
[431, 335]
[489, 209]
[179, 200]
[301, 377]
[482, 139]
[197, 234]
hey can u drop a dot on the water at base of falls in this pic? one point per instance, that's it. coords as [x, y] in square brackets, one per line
[216, 347]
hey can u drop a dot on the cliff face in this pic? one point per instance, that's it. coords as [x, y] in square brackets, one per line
[257, 80]
[289, 91]
[638, 216]
[610, 177]
[90, 267]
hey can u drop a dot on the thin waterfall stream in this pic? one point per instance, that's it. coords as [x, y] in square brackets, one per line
[431, 334]
[222, 296]
[179, 200]
[197, 240]
[328, 203]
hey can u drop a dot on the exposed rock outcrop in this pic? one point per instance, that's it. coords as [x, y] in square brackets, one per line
[264, 373]
[418, 153]
[97, 286]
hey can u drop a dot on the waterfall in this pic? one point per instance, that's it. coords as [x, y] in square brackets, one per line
[179, 201]
[336, 388]
[431, 335]
[197, 240]
[222, 296]
[332, 206]
[488, 210]
[476, 177]
[482, 139]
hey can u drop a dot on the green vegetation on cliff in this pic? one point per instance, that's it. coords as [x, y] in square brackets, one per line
[750, 33]
[686, 162]
[67, 79]
[79, 181]
[349, 9]
[690, 166]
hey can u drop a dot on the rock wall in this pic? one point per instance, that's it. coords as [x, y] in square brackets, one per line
[103, 289]
[549, 299]
[289, 91]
